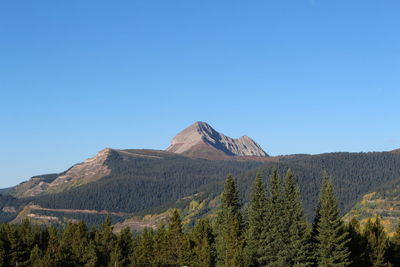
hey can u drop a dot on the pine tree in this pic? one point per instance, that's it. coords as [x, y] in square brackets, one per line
[5, 245]
[73, 243]
[2, 251]
[53, 255]
[105, 242]
[203, 249]
[26, 242]
[123, 248]
[357, 244]
[331, 239]
[90, 257]
[160, 247]
[144, 253]
[395, 247]
[377, 243]
[256, 218]
[35, 257]
[272, 252]
[230, 240]
[296, 231]
[175, 239]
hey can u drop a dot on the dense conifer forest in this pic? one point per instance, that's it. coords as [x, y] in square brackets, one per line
[271, 231]
[155, 183]
[148, 186]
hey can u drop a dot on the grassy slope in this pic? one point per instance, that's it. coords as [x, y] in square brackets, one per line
[384, 202]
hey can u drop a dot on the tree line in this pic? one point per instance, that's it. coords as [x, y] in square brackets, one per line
[270, 231]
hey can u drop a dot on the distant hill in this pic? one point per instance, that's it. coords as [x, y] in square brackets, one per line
[136, 181]
[200, 140]
[125, 184]
[149, 182]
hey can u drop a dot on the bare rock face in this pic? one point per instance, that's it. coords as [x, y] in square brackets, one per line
[201, 140]
[88, 171]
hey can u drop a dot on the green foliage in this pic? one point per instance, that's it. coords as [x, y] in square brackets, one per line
[146, 184]
[144, 253]
[296, 232]
[203, 245]
[175, 239]
[357, 244]
[330, 236]
[285, 232]
[394, 250]
[275, 234]
[153, 183]
[256, 218]
[377, 243]
[104, 241]
[230, 237]
[352, 174]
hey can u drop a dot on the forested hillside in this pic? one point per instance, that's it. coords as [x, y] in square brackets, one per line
[270, 231]
[353, 174]
[149, 182]
[146, 184]
[152, 185]
[142, 181]
[383, 202]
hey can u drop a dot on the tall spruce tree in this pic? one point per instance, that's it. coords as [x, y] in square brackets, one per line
[230, 238]
[377, 243]
[395, 247]
[161, 247]
[105, 242]
[175, 239]
[53, 255]
[144, 253]
[256, 226]
[73, 243]
[35, 259]
[203, 250]
[272, 252]
[296, 232]
[357, 244]
[123, 249]
[331, 238]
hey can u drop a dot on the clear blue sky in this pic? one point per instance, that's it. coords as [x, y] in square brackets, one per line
[300, 76]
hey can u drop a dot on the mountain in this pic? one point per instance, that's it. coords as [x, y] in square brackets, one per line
[396, 151]
[127, 184]
[119, 183]
[141, 182]
[200, 140]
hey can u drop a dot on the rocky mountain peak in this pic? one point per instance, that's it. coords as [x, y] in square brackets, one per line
[201, 140]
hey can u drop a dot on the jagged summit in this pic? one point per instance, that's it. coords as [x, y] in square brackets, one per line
[201, 140]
